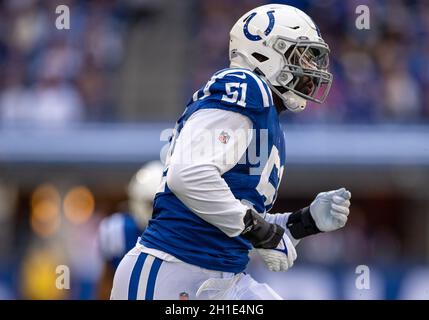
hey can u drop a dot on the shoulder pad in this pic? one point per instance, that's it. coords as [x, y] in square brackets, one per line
[238, 87]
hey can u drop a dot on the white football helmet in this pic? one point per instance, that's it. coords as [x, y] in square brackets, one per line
[142, 189]
[283, 45]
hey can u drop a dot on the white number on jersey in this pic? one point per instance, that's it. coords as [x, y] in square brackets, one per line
[232, 92]
[264, 187]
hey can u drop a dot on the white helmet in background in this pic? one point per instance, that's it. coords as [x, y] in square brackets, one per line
[142, 189]
[283, 44]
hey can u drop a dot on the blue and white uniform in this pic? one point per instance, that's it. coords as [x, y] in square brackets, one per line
[117, 235]
[175, 229]
[227, 154]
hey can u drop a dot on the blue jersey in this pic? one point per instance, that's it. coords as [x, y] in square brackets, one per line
[255, 179]
[118, 234]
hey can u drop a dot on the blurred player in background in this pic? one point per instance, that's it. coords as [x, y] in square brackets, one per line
[119, 232]
[212, 207]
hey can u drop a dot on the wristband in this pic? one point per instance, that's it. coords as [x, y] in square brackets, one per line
[261, 233]
[301, 224]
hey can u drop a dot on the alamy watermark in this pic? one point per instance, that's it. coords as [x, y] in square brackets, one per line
[224, 146]
[363, 20]
[62, 282]
[62, 22]
[363, 279]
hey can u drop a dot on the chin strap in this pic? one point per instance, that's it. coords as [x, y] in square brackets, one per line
[291, 101]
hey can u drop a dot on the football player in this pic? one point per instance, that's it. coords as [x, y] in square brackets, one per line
[119, 232]
[224, 167]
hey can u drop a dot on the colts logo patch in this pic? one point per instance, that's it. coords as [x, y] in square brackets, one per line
[267, 31]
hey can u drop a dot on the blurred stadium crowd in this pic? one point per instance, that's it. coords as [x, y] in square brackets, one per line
[96, 73]
[381, 75]
[57, 77]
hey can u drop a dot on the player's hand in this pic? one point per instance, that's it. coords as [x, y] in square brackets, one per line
[330, 209]
[280, 258]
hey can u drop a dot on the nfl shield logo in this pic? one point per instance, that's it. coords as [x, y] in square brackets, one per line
[224, 137]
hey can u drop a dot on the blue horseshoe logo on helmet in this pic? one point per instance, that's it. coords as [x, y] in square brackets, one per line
[267, 31]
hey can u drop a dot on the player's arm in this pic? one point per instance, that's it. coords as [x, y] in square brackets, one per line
[210, 144]
[328, 212]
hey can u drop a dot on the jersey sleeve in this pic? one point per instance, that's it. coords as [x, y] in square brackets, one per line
[238, 90]
[211, 143]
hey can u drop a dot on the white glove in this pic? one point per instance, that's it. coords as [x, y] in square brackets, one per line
[280, 258]
[331, 209]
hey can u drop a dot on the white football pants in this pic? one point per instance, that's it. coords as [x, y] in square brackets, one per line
[141, 276]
